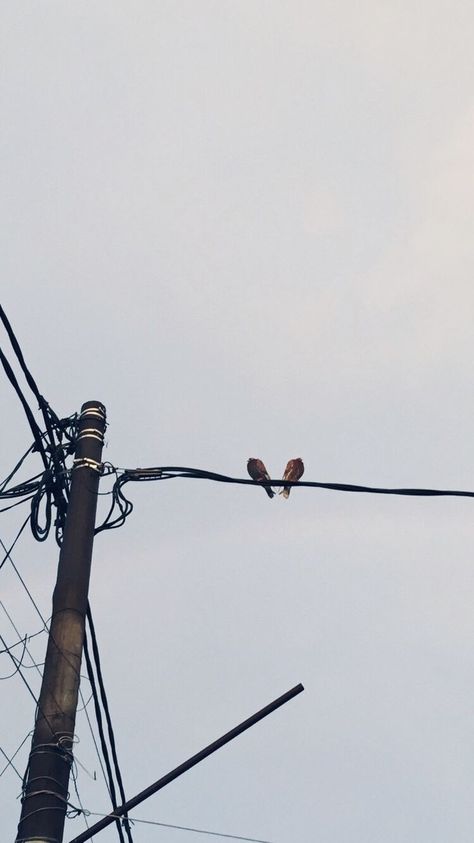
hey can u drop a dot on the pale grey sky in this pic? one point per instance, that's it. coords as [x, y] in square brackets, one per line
[246, 227]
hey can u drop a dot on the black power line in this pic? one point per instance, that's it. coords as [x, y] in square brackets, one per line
[121, 507]
[98, 700]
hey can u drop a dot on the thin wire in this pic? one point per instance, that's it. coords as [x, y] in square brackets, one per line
[187, 828]
[18, 662]
[27, 637]
[28, 412]
[13, 756]
[54, 432]
[45, 625]
[10, 764]
[27, 685]
[7, 552]
[83, 811]
[105, 706]
[22, 640]
[83, 708]
[33, 601]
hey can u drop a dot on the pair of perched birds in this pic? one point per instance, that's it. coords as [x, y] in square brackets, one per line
[293, 471]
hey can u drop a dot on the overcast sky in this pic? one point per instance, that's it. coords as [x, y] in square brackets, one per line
[247, 229]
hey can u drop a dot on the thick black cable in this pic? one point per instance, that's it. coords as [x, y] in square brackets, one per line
[119, 503]
[26, 487]
[121, 507]
[53, 455]
[105, 705]
[50, 417]
[16, 347]
[103, 743]
[46, 720]
[48, 414]
[48, 491]
[169, 472]
[29, 415]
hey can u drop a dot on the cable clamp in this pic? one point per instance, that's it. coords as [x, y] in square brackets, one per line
[85, 462]
[91, 433]
[98, 412]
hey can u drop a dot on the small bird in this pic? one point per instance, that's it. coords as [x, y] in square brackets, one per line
[257, 471]
[293, 471]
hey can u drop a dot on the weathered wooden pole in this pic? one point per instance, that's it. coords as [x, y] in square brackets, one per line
[44, 802]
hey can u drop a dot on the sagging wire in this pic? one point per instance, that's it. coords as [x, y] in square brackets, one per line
[121, 507]
[184, 828]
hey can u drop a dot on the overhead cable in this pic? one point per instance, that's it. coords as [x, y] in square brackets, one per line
[121, 507]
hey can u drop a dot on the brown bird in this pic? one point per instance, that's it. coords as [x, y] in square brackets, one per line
[293, 471]
[257, 471]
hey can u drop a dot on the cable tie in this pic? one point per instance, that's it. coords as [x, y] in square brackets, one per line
[91, 433]
[86, 462]
[93, 411]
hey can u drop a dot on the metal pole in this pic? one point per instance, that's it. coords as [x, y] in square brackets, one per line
[186, 765]
[44, 802]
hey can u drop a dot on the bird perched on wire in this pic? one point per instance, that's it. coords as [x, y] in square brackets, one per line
[293, 471]
[257, 471]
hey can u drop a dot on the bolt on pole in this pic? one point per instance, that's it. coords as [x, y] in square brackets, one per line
[45, 797]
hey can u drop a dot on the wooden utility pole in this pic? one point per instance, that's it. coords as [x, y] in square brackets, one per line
[44, 802]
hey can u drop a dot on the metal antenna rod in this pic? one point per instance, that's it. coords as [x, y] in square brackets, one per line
[186, 765]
